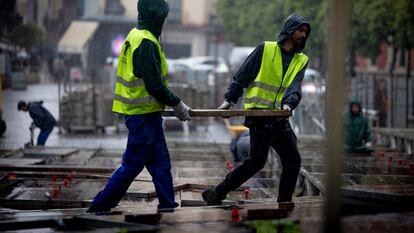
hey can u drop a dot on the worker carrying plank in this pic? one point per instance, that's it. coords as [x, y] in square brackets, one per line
[272, 75]
[141, 95]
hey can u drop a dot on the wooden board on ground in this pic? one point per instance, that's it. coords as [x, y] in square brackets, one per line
[232, 113]
[20, 162]
[41, 152]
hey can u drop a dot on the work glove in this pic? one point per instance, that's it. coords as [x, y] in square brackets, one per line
[286, 107]
[181, 111]
[225, 105]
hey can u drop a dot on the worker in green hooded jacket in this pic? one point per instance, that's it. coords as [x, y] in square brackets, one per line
[141, 94]
[358, 133]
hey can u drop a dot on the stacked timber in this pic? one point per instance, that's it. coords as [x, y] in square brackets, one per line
[81, 110]
[191, 95]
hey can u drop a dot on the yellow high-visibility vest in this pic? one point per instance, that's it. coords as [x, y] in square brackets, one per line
[269, 87]
[131, 97]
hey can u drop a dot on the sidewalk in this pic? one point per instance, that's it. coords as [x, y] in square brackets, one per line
[18, 124]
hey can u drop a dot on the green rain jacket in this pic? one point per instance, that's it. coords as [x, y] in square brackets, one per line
[146, 59]
[357, 129]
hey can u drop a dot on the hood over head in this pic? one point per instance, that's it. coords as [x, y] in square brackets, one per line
[293, 22]
[152, 15]
[356, 102]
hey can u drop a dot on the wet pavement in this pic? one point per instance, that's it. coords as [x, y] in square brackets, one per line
[63, 177]
[68, 179]
[18, 123]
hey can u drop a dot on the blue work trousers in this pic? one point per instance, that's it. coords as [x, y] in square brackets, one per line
[43, 135]
[146, 147]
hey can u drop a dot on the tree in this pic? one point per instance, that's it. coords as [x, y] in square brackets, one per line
[247, 23]
[371, 24]
[26, 36]
[384, 21]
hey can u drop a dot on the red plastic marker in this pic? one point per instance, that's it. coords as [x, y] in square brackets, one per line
[246, 194]
[400, 162]
[235, 215]
[411, 169]
[382, 154]
[65, 183]
[12, 176]
[390, 161]
[55, 194]
[54, 178]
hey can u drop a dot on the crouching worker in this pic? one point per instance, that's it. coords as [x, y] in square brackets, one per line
[358, 133]
[141, 95]
[42, 118]
[240, 147]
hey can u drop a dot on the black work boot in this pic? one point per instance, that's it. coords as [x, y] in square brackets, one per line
[286, 205]
[212, 197]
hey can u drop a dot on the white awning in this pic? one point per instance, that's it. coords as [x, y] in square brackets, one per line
[76, 36]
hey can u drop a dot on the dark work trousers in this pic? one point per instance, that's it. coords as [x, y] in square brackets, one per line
[146, 147]
[284, 141]
[43, 135]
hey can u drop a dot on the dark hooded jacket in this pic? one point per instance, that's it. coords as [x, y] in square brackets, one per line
[42, 118]
[146, 59]
[251, 67]
[357, 129]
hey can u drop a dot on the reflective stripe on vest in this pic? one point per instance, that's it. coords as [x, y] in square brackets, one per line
[131, 97]
[143, 100]
[261, 101]
[135, 83]
[269, 87]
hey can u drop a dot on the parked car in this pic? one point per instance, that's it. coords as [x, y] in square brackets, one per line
[238, 55]
[207, 63]
[176, 66]
[312, 82]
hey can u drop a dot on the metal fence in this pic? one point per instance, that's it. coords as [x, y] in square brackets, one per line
[390, 96]
[387, 101]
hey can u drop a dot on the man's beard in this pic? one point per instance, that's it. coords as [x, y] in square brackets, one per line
[299, 42]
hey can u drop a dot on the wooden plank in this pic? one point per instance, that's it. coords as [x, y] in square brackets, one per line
[42, 152]
[41, 204]
[254, 214]
[152, 219]
[20, 162]
[44, 168]
[232, 113]
[193, 203]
